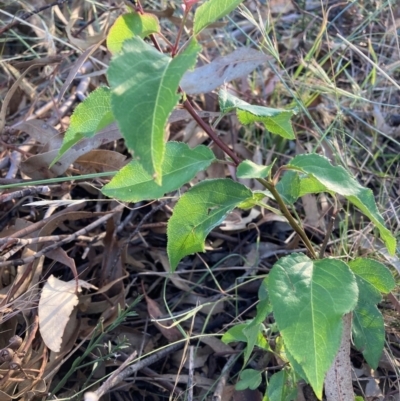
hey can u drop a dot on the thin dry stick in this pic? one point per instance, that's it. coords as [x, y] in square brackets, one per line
[11, 252]
[137, 229]
[121, 376]
[109, 383]
[15, 161]
[217, 396]
[20, 241]
[24, 192]
[190, 384]
[67, 240]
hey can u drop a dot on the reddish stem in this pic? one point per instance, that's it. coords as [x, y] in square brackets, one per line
[210, 132]
[178, 37]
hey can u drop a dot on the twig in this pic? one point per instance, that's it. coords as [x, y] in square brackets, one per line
[94, 19]
[217, 396]
[144, 219]
[164, 383]
[24, 192]
[29, 14]
[190, 383]
[72, 237]
[8, 241]
[111, 381]
[15, 161]
[12, 252]
[117, 378]
[39, 224]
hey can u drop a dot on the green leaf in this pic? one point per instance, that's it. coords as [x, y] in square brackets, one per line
[309, 299]
[254, 337]
[144, 86]
[248, 333]
[369, 332]
[281, 388]
[249, 378]
[276, 121]
[89, 117]
[264, 307]
[255, 200]
[374, 273]
[372, 278]
[197, 212]
[130, 25]
[133, 184]
[212, 11]
[235, 334]
[337, 180]
[289, 187]
[310, 185]
[249, 169]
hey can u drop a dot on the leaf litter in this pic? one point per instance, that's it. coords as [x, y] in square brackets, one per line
[118, 251]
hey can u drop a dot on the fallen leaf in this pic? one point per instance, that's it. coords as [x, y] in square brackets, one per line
[238, 222]
[237, 64]
[57, 300]
[99, 160]
[176, 280]
[171, 333]
[281, 6]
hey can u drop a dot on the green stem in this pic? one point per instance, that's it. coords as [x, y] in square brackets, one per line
[285, 211]
[27, 183]
[282, 206]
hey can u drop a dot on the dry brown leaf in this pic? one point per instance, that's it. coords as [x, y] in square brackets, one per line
[99, 160]
[227, 393]
[311, 210]
[37, 166]
[76, 67]
[281, 6]
[237, 64]
[9, 95]
[112, 269]
[60, 255]
[247, 395]
[171, 333]
[176, 280]
[201, 356]
[95, 40]
[56, 303]
[42, 132]
[217, 345]
[381, 124]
